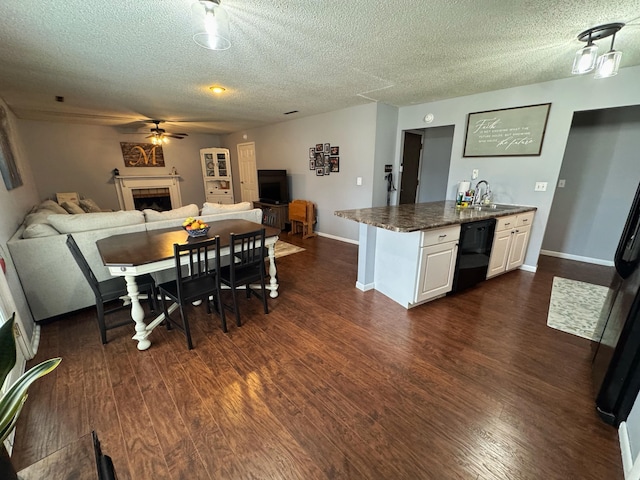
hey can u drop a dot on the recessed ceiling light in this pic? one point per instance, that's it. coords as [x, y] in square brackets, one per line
[217, 89]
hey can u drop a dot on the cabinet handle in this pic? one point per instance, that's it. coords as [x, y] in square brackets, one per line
[507, 224]
[525, 220]
[517, 231]
[442, 236]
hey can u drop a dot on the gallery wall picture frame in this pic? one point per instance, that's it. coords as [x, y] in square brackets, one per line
[327, 169]
[319, 160]
[320, 171]
[312, 152]
[507, 132]
[8, 167]
[319, 147]
[312, 164]
[327, 148]
[335, 151]
[334, 162]
[142, 154]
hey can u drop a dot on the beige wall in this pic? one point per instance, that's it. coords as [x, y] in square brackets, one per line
[13, 206]
[81, 158]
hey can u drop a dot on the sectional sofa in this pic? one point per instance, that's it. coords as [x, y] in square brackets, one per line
[53, 283]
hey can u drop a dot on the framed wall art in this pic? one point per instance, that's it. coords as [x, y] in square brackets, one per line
[508, 132]
[320, 171]
[8, 166]
[142, 154]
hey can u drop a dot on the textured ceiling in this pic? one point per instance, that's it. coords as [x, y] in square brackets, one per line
[124, 61]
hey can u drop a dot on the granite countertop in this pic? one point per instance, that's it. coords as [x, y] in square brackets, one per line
[423, 216]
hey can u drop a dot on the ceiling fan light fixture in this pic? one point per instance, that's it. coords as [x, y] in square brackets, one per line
[210, 25]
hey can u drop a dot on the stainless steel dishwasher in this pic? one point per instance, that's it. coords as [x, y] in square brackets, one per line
[474, 250]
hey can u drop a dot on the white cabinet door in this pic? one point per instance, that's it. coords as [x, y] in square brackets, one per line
[500, 253]
[437, 265]
[518, 247]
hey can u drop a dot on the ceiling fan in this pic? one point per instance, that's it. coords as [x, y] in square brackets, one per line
[160, 135]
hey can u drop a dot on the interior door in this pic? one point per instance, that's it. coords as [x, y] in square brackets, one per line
[410, 166]
[248, 172]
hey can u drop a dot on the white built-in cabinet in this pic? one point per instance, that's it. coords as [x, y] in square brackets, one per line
[510, 243]
[216, 171]
[438, 252]
[415, 267]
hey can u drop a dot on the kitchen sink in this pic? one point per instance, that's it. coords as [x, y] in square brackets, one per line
[494, 207]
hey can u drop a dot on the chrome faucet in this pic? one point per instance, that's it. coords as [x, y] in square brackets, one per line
[477, 198]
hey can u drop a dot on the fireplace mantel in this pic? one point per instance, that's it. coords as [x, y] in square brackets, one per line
[125, 184]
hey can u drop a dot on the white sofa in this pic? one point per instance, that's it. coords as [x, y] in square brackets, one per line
[52, 281]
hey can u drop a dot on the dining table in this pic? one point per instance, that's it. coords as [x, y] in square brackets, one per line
[131, 254]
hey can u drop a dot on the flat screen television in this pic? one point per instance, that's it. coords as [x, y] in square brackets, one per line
[273, 186]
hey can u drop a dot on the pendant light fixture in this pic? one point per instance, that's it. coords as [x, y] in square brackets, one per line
[586, 58]
[210, 25]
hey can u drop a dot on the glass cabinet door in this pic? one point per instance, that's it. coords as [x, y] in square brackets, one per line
[222, 165]
[210, 165]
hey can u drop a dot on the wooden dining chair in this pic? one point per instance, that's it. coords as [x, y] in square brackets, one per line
[111, 289]
[198, 281]
[246, 266]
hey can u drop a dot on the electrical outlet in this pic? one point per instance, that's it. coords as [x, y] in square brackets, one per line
[474, 174]
[358, 181]
[541, 187]
[561, 183]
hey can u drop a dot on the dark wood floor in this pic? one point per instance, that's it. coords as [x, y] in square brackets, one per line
[336, 383]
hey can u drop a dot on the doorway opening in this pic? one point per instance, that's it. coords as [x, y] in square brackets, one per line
[426, 157]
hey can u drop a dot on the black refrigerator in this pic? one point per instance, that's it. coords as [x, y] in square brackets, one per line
[616, 356]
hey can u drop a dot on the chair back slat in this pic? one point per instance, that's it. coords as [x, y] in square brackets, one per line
[83, 264]
[247, 249]
[199, 255]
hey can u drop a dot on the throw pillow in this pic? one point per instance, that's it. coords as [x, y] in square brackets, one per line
[215, 208]
[73, 208]
[95, 221]
[89, 206]
[51, 205]
[182, 212]
[37, 217]
[36, 230]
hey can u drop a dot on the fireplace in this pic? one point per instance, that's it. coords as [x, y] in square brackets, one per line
[158, 199]
[156, 192]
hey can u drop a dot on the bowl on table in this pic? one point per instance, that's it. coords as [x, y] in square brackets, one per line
[198, 232]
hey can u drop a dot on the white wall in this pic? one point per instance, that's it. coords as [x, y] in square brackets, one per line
[286, 146]
[80, 158]
[436, 159]
[512, 178]
[386, 125]
[14, 204]
[601, 168]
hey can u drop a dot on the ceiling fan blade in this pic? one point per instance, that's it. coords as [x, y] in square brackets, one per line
[172, 135]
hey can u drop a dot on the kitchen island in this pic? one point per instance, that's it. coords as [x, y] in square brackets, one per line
[408, 252]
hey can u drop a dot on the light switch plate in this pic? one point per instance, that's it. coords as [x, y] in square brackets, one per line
[541, 187]
[358, 181]
[474, 174]
[561, 183]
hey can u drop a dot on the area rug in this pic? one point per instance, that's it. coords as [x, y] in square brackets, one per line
[575, 306]
[284, 248]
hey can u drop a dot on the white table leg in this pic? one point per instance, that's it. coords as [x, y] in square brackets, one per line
[273, 283]
[137, 313]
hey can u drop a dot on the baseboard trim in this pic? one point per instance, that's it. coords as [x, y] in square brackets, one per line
[335, 237]
[577, 258]
[365, 288]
